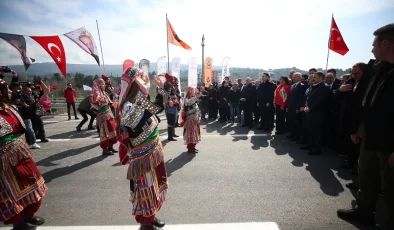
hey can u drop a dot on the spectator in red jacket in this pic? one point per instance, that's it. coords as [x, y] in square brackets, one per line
[71, 95]
[280, 99]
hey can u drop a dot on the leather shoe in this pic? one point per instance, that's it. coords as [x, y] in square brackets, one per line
[158, 223]
[149, 227]
[44, 140]
[356, 215]
[37, 221]
[24, 226]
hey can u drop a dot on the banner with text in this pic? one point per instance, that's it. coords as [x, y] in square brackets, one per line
[176, 70]
[192, 74]
[208, 71]
[225, 68]
[161, 66]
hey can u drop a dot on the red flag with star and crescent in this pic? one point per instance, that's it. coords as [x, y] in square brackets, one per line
[54, 46]
[337, 44]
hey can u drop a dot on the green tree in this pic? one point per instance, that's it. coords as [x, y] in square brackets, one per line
[88, 80]
[56, 77]
[78, 80]
[36, 79]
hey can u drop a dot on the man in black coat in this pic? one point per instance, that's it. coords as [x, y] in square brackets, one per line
[315, 109]
[265, 99]
[304, 126]
[294, 104]
[376, 133]
[331, 128]
[248, 97]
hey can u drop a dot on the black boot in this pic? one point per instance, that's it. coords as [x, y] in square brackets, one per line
[37, 221]
[170, 134]
[24, 226]
[158, 223]
[173, 132]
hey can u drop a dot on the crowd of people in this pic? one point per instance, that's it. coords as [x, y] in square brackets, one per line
[352, 115]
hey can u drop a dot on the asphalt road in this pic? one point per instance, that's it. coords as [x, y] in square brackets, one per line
[239, 176]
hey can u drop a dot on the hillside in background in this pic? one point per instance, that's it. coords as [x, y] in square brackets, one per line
[48, 69]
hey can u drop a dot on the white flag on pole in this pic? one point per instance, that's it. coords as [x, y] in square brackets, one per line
[176, 70]
[225, 68]
[192, 74]
[161, 66]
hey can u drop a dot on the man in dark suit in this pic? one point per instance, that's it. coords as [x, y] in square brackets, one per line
[304, 126]
[315, 109]
[265, 98]
[331, 128]
[294, 104]
[248, 97]
[376, 133]
[334, 73]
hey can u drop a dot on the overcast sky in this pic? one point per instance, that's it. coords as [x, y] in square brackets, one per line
[253, 33]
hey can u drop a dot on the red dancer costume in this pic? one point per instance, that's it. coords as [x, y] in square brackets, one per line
[21, 184]
[105, 118]
[141, 148]
[190, 120]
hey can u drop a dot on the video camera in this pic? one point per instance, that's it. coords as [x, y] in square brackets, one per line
[5, 69]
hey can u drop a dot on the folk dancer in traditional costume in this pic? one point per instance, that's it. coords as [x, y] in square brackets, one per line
[141, 148]
[171, 104]
[21, 184]
[110, 91]
[190, 120]
[105, 118]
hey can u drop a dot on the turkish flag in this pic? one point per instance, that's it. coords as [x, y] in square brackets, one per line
[54, 46]
[54, 87]
[337, 44]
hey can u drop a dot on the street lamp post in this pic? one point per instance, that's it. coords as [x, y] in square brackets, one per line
[202, 65]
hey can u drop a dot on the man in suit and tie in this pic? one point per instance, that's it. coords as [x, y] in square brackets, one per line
[296, 98]
[334, 73]
[265, 98]
[248, 97]
[333, 117]
[304, 132]
[315, 109]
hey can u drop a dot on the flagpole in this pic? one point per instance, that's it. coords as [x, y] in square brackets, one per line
[168, 48]
[329, 40]
[101, 47]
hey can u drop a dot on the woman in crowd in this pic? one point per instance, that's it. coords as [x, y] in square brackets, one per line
[141, 148]
[105, 118]
[21, 184]
[190, 120]
[280, 98]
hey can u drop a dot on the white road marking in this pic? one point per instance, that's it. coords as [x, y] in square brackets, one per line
[164, 136]
[227, 226]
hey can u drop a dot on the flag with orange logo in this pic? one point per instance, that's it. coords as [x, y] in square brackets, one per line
[173, 38]
[208, 71]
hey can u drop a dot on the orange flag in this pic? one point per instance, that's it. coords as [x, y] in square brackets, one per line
[173, 38]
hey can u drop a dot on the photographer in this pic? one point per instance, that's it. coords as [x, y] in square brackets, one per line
[6, 69]
[26, 108]
[29, 112]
